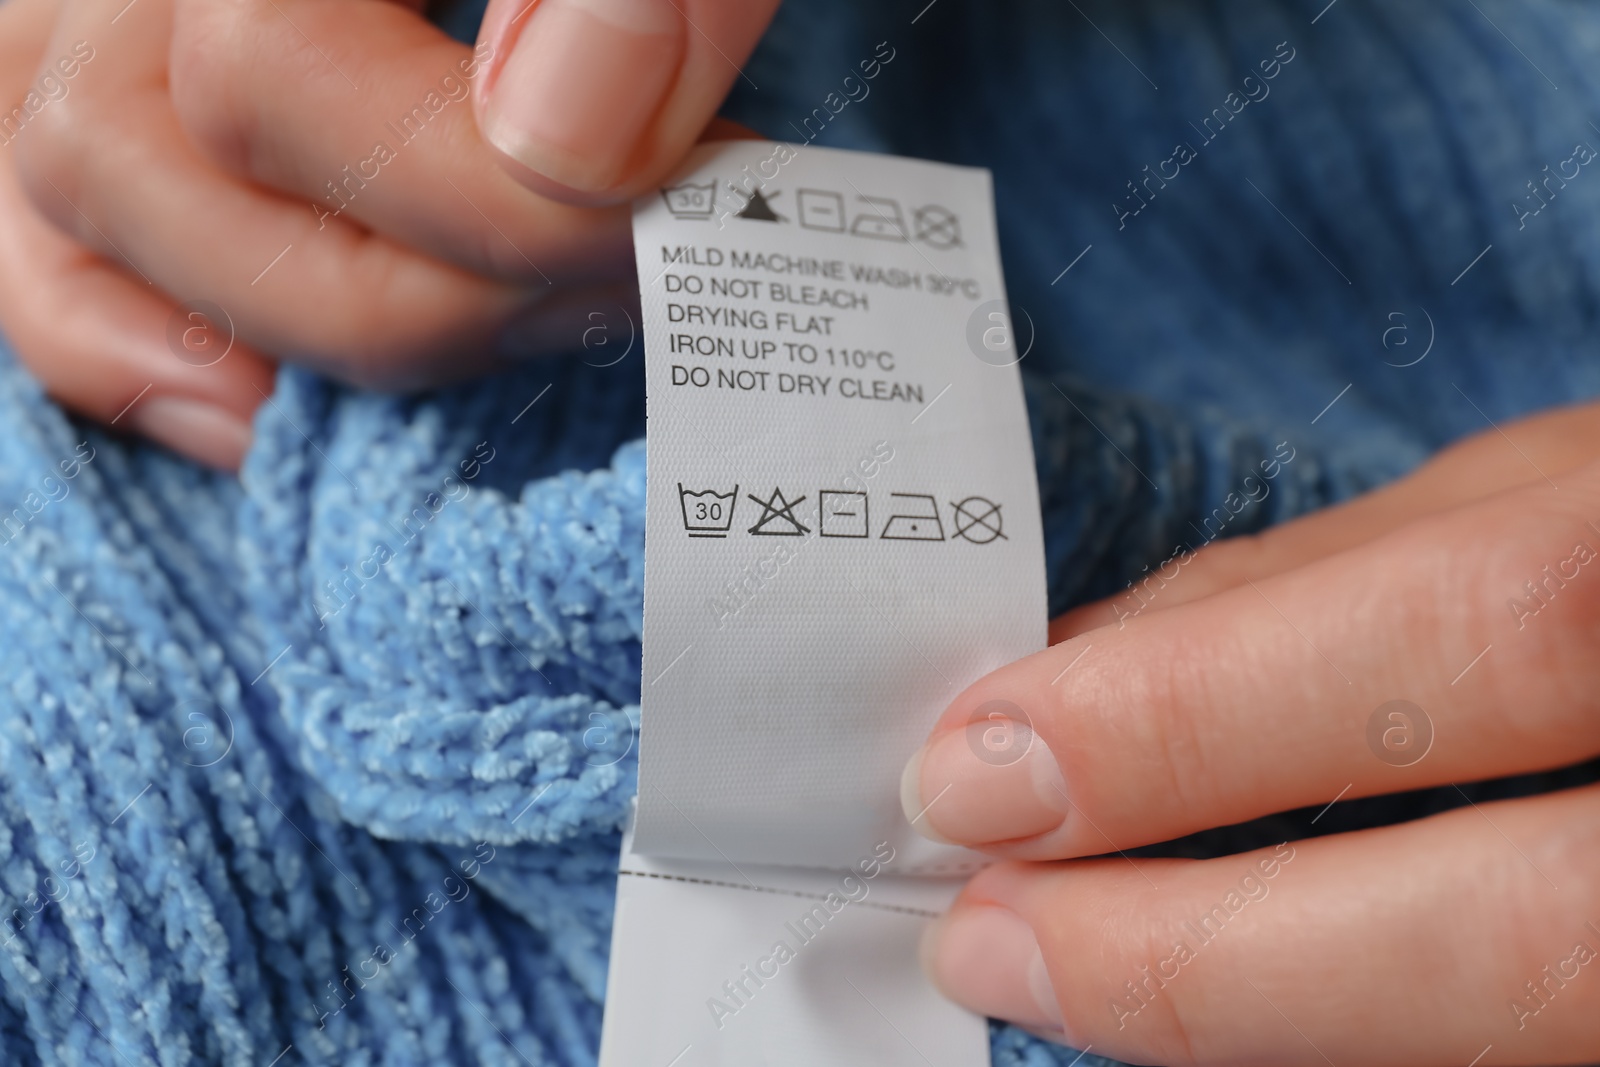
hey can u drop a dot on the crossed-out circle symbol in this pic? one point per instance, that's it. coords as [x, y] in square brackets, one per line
[978, 526]
[938, 226]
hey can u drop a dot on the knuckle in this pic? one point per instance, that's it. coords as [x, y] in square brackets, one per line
[1548, 588]
[1128, 710]
[1179, 733]
[208, 43]
[1133, 1006]
[1150, 708]
[52, 158]
[1565, 853]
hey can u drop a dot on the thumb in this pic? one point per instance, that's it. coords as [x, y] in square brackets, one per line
[592, 101]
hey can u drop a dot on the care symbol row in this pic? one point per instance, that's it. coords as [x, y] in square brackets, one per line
[842, 513]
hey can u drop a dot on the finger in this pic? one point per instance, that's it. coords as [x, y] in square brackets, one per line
[361, 111]
[109, 165]
[1518, 453]
[594, 101]
[1469, 937]
[1279, 694]
[98, 342]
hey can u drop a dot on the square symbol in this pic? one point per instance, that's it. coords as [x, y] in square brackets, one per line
[821, 210]
[844, 514]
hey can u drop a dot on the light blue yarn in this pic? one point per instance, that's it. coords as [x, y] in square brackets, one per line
[221, 900]
[256, 831]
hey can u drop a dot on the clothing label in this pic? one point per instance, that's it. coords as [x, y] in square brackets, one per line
[842, 532]
[842, 519]
[739, 965]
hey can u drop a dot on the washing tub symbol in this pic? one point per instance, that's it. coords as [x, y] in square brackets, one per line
[690, 201]
[706, 512]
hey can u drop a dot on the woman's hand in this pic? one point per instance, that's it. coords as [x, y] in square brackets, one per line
[214, 184]
[1443, 630]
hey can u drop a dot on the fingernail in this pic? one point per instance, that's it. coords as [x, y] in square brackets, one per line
[996, 780]
[986, 958]
[580, 86]
[211, 434]
[911, 801]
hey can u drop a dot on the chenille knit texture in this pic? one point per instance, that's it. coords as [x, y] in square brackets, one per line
[243, 748]
[268, 790]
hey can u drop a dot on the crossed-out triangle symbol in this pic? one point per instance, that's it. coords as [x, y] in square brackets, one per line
[777, 516]
[759, 207]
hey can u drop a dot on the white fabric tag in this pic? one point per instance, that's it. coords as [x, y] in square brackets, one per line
[842, 532]
[724, 965]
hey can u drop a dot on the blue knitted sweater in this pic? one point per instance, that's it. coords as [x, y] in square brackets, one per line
[302, 765]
